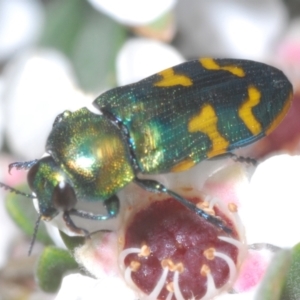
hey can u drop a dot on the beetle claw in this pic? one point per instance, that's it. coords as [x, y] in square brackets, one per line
[70, 224]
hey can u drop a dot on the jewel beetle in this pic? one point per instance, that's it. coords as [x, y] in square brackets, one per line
[168, 122]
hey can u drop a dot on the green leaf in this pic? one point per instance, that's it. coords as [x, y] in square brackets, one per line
[292, 284]
[88, 38]
[52, 265]
[24, 214]
[162, 22]
[273, 282]
[95, 52]
[72, 242]
[63, 22]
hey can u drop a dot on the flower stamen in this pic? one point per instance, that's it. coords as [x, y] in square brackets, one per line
[126, 252]
[170, 295]
[127, 277]
[211, 287]
[177, 290]
[230, 263]
[232, 207]
[145, 251]
[205, 270]
[207, 207]
[233, 242]
[168, 263]
[209, 253]
[135, 265]
[170, 287]
[159, 286]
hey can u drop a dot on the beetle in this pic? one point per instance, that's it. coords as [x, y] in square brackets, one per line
[168, 122]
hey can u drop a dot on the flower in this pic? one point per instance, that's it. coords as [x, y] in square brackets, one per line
[133, 63]
[265, 193]
[81, 287]
[20, 26]
[41, 79]
[162, 248]
[134, 12]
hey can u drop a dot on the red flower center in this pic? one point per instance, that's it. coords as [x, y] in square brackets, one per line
[172, 253]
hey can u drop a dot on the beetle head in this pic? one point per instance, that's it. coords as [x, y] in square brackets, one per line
[51, 187]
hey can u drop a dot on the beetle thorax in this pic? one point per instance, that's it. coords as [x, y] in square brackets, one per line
[93, 152]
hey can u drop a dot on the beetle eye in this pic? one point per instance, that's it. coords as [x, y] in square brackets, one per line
[31, 175]
[63, 197]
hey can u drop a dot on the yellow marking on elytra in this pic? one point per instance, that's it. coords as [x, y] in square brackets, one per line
[245, 110]
[281, 115]
[169, 78]
[210, 64]
[183, 165]
[206, 122]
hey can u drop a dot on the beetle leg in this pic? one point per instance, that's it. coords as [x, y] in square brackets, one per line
[19, 165]
[266, 246]
[111, 204]
[87, 215]
[70, 224]
[156, 187]
[242, 159]
[237, 158]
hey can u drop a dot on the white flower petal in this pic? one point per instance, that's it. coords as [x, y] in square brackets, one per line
[253, 270]
[134, 12]
[243, 296]
[55, 235]
[229, 28]
[20, 24]
[39, 86]
[142, 57]
[271, 212]
[99, 255]
[79, 287]
[250, 30]
[2, 118]
[287, 57]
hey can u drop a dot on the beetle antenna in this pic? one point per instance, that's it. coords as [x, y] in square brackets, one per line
[11, 189]
[19, 165]
[36, 227]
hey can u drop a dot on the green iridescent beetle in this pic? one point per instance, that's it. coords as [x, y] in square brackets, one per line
[165, 123]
